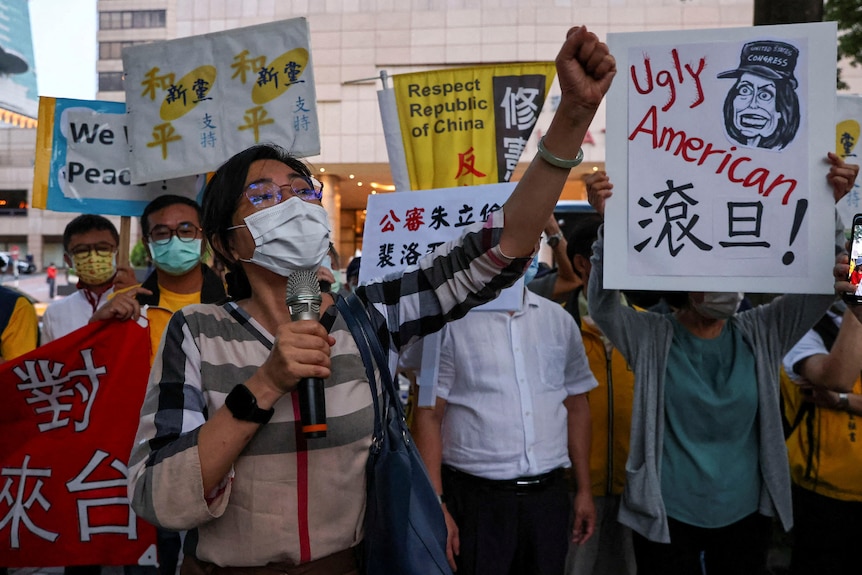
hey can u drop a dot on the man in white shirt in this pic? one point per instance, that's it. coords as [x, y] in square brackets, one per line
[90, 247]
[511, 415]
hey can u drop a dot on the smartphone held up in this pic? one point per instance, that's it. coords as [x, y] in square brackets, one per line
[855, 274]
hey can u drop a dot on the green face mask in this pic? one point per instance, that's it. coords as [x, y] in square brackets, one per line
[327, 263]
[176, 257]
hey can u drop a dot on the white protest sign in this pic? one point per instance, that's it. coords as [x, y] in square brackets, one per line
[847, 131]
[716, 148]
[401, 227]
[195, 102]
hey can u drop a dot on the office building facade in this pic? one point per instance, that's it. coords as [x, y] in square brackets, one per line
[352, 42]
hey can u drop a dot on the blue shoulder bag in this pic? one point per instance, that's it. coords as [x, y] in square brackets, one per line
[405, 531]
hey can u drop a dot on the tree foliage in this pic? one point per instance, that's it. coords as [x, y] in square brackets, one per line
[848, 15]
[138, 256]
[768, 12]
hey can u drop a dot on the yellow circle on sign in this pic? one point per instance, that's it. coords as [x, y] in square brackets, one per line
[849, 127]
[185, 94]
[280, 83]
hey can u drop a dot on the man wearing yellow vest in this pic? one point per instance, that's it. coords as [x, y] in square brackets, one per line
[822, 408]
[171, 226]
[174, 240]
[173, 237]
[19, 328]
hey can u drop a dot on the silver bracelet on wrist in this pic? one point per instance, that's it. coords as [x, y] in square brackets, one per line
[559, 162]
[843, 402]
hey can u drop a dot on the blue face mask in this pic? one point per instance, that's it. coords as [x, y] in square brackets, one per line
[176, 257]
[532, 270]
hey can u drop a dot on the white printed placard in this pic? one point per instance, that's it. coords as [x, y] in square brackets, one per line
[195, 102]
[717, 155]
[401, 227]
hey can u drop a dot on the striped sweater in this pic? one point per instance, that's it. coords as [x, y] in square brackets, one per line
[289, 500]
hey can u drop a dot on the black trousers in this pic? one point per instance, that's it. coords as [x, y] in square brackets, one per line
[738, 549]
[509, 531]
[827, 533]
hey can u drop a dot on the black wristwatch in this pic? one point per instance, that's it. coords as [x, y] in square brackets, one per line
[554, 239]
[243, 405]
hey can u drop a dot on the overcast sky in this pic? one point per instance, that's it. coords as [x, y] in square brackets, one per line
[64, 44]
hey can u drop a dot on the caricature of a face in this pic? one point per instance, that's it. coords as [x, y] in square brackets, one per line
[754, 112]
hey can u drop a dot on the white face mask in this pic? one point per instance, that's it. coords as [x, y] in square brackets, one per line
[290, 236]
[718, 305]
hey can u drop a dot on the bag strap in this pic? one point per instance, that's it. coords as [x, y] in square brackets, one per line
[390, 392]
[361, 340]
[806, 409]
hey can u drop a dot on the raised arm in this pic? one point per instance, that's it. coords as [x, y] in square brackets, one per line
[585, 69]
[599, 189]
[842, 178]
[838, 369]
[565, 280]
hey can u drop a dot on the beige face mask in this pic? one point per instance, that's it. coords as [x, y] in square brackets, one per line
[94, 269]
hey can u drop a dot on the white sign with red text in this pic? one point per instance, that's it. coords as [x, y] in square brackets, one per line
[403, 226]
[717, 155]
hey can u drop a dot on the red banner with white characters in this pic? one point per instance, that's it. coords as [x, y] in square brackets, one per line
[68, 418]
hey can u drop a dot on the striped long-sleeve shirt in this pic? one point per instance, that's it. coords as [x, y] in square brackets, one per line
[287, 499]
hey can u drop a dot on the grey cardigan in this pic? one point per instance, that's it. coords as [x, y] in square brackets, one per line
[644, 339]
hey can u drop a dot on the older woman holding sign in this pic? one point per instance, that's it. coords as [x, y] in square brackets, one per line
[219, 447]
[707, 463]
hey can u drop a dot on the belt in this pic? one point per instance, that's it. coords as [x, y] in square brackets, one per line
[341, 563]
[519, 484]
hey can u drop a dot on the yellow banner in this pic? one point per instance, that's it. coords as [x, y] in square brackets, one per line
[468, 126]
[44, 144]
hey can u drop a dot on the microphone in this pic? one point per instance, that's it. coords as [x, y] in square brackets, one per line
[303, 301]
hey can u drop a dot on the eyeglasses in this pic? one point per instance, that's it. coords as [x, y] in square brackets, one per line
[84, 250]
[267, 193]
[185, 232]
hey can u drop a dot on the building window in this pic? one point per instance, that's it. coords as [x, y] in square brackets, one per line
[13, 202]
[121, 20]
[114, 50]
[111, 82]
